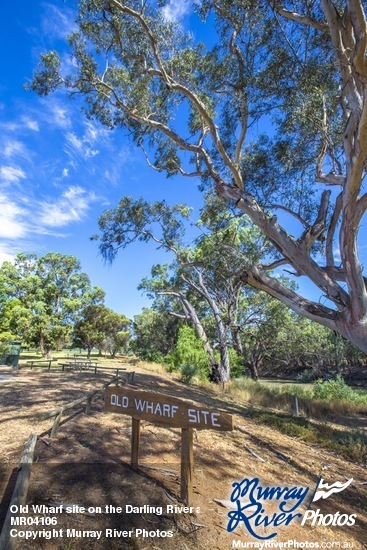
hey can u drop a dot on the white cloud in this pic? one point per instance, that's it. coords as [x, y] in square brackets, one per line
[176, 10]
[11, 174]
[57, 23]
[25, 123]
[74, 144]
[85, 145]
[15, 148]
[72, 206]
[12, 224]
[31, 124]
[5, 255]
[55, 113]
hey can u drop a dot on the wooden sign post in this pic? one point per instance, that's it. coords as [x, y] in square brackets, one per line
[166, 411]
[187, 463]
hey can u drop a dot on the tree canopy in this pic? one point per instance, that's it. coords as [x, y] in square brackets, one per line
[298, 70]
[44, 296]
[96, 324]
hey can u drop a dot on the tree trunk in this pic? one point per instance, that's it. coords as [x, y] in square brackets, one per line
[192, 316]
[42, 344]
[253, 367]
[238, 347]
[255, 360]
[224, 367]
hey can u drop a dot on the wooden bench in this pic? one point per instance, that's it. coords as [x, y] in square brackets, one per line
[46, 363]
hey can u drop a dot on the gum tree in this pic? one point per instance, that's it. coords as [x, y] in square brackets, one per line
[205, 279]
[44, 296]
[296, 69]
[97, 323]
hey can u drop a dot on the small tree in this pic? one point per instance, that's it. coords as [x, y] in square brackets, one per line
[155, 334]
[189, 356]
[97, 323]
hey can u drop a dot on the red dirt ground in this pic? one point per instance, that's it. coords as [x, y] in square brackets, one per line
[87, 464]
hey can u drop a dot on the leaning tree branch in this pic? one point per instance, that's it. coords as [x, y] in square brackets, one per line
[234, 49]
[303, 19]
[331, 231]
[273, 265]
[288, 247]
[198, 327]
[179, 168]
[189, 94]
[139, 16]
[338, 274]
[291, 212]
[363, 203]
[184, 317]
[199, 150]
[316, 230]
[312, 310]
[321, 177]
[358, 20]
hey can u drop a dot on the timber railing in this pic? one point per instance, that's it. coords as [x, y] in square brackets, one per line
[19, 494]
[40, 363]
[87, 398]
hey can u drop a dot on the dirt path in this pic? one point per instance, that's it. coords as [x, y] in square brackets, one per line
[88, 465]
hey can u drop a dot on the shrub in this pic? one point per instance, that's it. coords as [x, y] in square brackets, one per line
[151, 355]
[333, 390]
[236, 363]
[189, 352]
[188, 372]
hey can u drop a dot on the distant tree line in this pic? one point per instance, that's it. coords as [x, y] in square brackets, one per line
[203, 316]
[49, 303]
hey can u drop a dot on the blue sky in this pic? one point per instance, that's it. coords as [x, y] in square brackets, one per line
[59, 171]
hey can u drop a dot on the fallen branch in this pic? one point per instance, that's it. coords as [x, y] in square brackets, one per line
[254, 454]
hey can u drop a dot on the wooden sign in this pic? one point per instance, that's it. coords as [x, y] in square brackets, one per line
[165, 410]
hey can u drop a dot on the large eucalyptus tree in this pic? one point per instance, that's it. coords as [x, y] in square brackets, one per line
[204, 280]
[296, 68]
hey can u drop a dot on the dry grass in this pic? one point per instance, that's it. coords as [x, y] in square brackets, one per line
[283, 399]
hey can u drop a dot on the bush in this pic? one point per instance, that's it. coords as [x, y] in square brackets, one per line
[189, 352]
[236, 363]
[333, 390]
[151, 355]
[188, 372]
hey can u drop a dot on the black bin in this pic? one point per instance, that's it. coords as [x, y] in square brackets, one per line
[10, 356]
